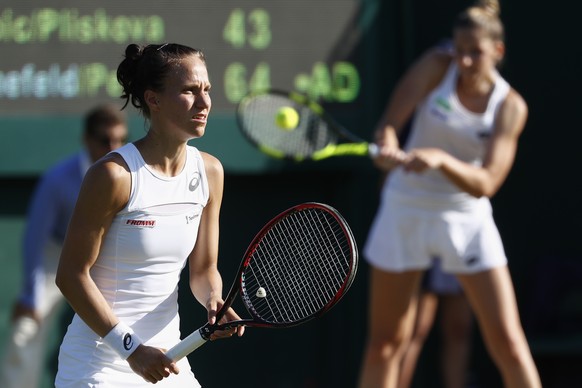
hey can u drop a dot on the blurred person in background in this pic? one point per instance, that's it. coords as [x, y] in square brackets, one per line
[38, 306]
[462, 145]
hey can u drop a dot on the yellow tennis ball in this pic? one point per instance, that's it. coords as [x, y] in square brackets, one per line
[287, 118]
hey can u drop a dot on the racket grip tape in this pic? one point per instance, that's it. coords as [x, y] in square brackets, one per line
[187, 346]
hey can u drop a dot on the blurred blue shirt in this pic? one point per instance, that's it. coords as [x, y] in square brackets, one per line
[48, 217]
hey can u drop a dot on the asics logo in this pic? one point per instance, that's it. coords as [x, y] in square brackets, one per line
[141, 223]
[127, 341]
[194, 182]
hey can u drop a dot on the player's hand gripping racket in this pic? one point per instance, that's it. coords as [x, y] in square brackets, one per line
[308, 133]
[297, 267]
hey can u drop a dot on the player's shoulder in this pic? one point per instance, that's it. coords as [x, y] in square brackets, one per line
[110, 170]
[107, 184]
[515, 101]
[212, 164]
[514, 107]
[513, 113]
[214, 175]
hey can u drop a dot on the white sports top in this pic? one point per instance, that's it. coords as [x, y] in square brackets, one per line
[441, 121]
[149, 241]
[140, 262]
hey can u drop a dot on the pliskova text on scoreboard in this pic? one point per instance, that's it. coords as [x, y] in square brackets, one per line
[70, 25]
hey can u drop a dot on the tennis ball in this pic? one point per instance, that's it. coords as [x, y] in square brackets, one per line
[287, 118]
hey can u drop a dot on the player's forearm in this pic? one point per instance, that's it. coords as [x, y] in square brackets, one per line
[206, 285]
[87, 301]
[473, 180]
[385, 136]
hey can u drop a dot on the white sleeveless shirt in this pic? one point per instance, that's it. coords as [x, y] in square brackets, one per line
[441, 121]
[149, 241]
[138, 269]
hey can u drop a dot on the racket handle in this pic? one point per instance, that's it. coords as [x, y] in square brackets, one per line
[186, 346]
[373, 150]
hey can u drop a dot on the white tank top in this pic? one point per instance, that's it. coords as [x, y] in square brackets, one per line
[148, 244]
[137, 271]
[441, 121]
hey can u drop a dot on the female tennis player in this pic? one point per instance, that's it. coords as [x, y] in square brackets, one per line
[144, 210]
[467, 121]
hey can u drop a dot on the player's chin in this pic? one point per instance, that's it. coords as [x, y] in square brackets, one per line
[198, 129]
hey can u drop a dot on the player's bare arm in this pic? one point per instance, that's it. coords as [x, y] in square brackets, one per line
[205, 279]
[413, 87]
[93, 215]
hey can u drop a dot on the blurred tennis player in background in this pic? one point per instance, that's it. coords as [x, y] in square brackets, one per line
[467, 122]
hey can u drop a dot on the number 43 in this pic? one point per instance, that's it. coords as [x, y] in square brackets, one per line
[258, 35]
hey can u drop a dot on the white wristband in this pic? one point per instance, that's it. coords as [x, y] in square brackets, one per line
[122, 339]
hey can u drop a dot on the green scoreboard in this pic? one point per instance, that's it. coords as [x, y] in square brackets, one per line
[59, 58]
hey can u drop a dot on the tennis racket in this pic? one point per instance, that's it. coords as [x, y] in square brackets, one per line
[315, 137]
[296, 268]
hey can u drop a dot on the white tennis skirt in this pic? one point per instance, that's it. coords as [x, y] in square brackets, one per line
[408, 235]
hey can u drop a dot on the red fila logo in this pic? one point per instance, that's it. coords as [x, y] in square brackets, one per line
[142, 223]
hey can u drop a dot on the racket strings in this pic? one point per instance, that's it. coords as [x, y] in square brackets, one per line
[291, 307]
[330, 275]
[257, 121]
[303, 270]
[303, 263]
